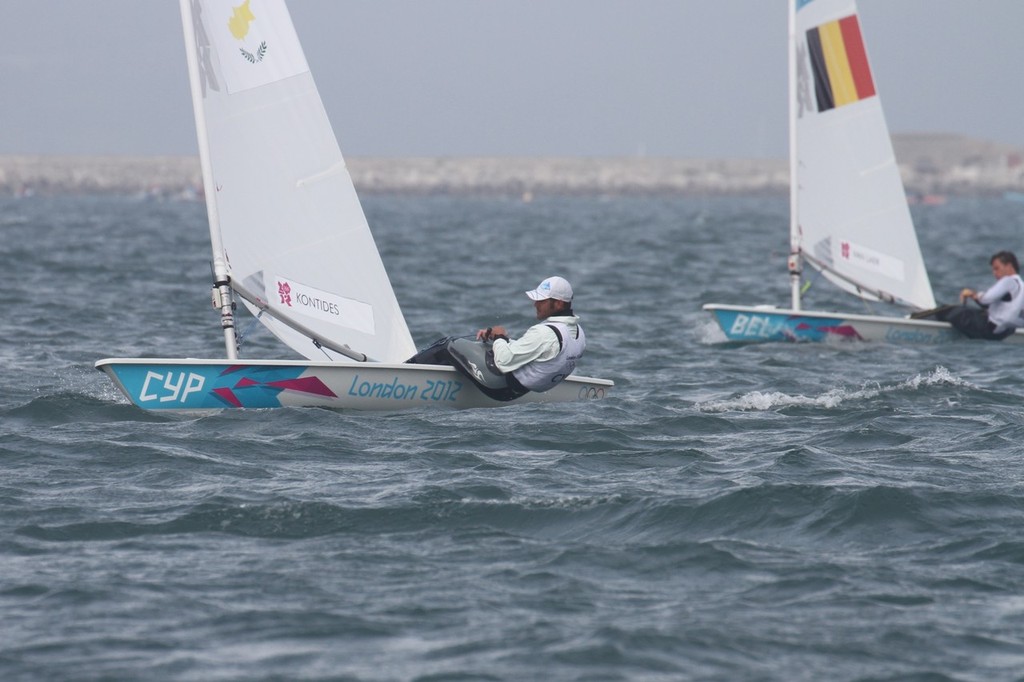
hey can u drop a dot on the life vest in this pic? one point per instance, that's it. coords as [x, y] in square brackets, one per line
[546, 374]
[1006, 312]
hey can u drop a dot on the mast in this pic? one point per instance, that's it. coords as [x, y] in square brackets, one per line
[794, 261]
[222, 296]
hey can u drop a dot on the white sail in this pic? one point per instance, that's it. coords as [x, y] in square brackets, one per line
[850, 218]
[288, 231]
[285, 218]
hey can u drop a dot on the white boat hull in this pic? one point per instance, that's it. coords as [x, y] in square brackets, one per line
[191, 384]
[766, 323]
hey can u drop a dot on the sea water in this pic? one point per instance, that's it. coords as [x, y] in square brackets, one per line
[769, 512]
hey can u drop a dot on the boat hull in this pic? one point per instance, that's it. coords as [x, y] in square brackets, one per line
[193, 384]
[764, 323]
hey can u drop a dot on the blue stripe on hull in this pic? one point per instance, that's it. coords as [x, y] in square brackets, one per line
[171, 384]
[768, 326]
[178, 387]
[753, 325]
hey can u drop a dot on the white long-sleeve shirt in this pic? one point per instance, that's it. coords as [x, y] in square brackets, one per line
[1004, 314]
[538, 343]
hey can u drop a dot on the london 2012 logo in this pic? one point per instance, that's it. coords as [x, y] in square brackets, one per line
[284, 290]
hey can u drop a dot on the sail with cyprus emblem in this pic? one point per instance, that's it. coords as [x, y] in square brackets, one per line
[289, 237]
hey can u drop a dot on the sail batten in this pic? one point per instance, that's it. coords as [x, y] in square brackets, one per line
[336, 169]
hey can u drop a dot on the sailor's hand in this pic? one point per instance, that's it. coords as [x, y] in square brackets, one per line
[966, 294]
[490, 333]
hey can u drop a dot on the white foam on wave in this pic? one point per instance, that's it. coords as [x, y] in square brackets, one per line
[756, 401]
[709, 333]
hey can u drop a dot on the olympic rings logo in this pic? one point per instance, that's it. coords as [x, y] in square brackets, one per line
[591, 393]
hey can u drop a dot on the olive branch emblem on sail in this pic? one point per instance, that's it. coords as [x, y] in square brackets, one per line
[239, 24]
[261, 51]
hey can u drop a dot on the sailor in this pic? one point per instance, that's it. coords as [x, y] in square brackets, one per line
[1002, 304]
[547, 353]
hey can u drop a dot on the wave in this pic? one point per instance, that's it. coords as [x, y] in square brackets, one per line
[77, 406]
[760, 401]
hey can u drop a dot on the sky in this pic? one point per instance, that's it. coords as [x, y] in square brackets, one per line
[588, 78]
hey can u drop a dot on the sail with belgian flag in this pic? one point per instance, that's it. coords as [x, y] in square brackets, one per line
[839, 62]
[851, 218]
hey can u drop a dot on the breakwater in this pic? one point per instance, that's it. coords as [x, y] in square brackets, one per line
[930, 164]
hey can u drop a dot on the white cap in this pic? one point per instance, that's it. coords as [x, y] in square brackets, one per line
[553, 287]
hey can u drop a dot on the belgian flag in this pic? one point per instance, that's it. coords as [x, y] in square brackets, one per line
[839, 63]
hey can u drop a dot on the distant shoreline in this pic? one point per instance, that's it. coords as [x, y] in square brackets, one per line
[930, 165]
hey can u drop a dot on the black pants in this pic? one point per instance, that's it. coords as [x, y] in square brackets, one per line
[971, 322]
[502, 387]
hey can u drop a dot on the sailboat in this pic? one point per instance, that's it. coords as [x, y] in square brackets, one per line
[849, 215]
[290, 239]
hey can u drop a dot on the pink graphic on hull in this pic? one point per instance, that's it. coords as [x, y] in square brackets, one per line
[271, 379]
[844, 330]
[228, 396]
[311, 385]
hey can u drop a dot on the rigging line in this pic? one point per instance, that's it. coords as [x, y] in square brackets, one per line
[869, 305]
[809, 282]
[248, 329]
[882, 296]
[322, 349]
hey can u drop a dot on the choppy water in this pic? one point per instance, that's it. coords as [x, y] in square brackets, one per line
[773, 512]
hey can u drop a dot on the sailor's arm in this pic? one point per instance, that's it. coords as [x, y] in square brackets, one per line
[538, 343]
[1001, 288]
